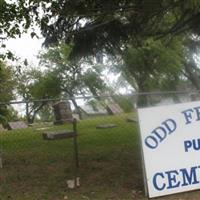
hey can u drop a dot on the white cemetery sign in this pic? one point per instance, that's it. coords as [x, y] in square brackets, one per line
[170, 137]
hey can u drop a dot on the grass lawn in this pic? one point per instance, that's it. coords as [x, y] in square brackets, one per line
[38, 169]
[110, 166]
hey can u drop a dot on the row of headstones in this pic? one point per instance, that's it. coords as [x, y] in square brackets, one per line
[62, 113]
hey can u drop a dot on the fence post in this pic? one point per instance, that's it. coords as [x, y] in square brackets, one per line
[76, 159]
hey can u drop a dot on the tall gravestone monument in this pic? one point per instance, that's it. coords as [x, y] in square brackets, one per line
[62, 112]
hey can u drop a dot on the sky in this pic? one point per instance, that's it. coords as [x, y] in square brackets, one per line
[26, 48]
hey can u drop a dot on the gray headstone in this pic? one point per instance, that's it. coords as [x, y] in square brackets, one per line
[90, 110]
[17, 125]
[132, 119]
[105, 126]
[56, 135]
[62, 112]
[114, 109]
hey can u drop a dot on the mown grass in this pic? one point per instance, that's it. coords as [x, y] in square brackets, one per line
[37, 169]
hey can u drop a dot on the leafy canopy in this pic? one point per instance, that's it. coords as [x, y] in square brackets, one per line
[154, 64]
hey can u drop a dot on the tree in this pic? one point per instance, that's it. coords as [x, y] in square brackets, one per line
[6, 83]
[99, 25]
[75, 77]
[191, 63]
[36, 87]
[46, 113]
[111, 26]
[154, 65]
[15, 19]
[6, 92]
[93, 26]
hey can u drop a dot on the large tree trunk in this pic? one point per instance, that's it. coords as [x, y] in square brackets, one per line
[142, 100]
[192, 75]
[29, 118]
[30, 115]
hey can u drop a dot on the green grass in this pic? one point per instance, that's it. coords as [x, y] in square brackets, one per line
[37, 169]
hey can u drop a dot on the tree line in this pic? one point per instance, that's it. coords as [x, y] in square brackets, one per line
[152, 44]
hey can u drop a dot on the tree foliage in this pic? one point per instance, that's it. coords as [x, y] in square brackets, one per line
[100, 25]
[191, 61]
[154, 64]
[15, 18]
[93, 26]
[6, 83]
[150, 26]
[36, 87]
[6, 92]
[75, 77]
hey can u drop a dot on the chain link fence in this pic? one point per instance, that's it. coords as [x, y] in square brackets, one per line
[107, 146]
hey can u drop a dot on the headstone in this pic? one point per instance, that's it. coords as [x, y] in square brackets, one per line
[91, 110]
[73, 183]
[105, 126]
[17, 125]
[56, 135]
[132, 119]
[62, 112]
[42, 128]
[114, 109]
[2, 128]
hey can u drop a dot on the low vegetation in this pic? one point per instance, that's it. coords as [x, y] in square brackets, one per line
[110, 164]
[39, 169]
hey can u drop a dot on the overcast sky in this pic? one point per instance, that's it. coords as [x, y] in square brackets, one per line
[26, 47]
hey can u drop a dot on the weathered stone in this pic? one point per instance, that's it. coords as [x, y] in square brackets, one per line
[50, 135]
[62, 112]
[132, 119]
[90, 110]
[105, 126]
[114, 109]
[73, 183]
[17, 125]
